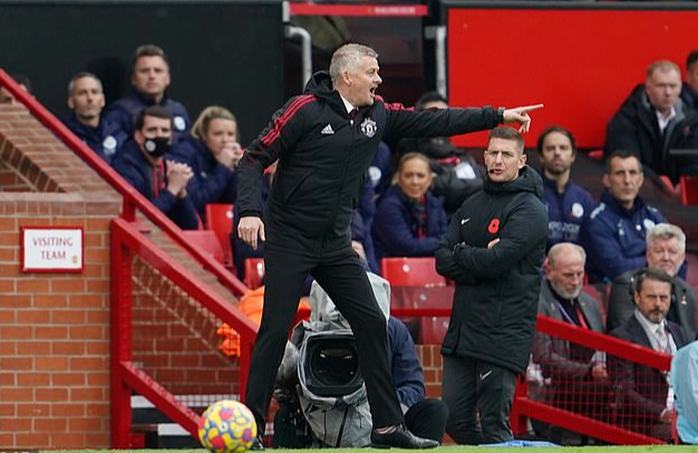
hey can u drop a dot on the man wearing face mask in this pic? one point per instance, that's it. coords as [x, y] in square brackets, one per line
[143, 163]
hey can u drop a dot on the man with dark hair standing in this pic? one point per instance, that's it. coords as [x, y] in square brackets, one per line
[143, 163]
[150, 80]
[325, 140]
[568, 204]
[493, 250]
[86, 101]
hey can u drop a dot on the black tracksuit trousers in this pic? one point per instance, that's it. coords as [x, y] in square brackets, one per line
[342, 276]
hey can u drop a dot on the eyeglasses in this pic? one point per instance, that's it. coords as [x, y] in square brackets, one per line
[506, 155]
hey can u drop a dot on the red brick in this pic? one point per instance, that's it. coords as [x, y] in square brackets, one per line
[8, 316]
[16, 364]
[17, 425]
[68, 316]
[7, 440]
[57, 332]
[16, 332]
[33, 316]
[89, 424]
[7, 379]
[8, 348]
[98, 348]
[89, 363]
[88, 394]
[51, 363]
[68, 441]
[67, 410]
[50, 425]
[33, 410]
[8, 286]
[72, 285]
[87, 332]
[68, 347]
[32, 286]
[8, 410]
[52, 394]
[68, 379]
[33, 379]
[50, 301]
[16, 394]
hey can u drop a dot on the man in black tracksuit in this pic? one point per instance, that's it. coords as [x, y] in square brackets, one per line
[493, 250]
[324, 141]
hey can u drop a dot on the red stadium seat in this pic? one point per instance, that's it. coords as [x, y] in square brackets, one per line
[688, 186]
[416, 284]
[206, 241]
[254, 272]
[219, 219]
[409, 271]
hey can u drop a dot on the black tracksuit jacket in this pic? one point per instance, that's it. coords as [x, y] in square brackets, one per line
[323, 157]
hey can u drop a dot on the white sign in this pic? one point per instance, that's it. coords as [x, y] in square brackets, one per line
[51, 249]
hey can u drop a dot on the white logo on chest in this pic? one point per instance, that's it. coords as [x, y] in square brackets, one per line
[369, 127]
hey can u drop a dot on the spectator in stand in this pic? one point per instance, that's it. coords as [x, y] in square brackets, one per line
[86, 100]
[568, 204]
[646, 397]
[666, 250]
[409, 219]
[578, 376]
[689, 91]
[493, 250]
[150, 80]
[144, 162]
[212, 151]
[456, 174]
[614, 235]
[654, 120]
[23, 81]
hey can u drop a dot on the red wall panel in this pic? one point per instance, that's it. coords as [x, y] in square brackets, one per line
[580, 63]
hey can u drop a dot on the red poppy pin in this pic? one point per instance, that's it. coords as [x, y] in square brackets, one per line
[493, 227]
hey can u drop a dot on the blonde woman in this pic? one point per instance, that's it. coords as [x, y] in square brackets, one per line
[212, 151]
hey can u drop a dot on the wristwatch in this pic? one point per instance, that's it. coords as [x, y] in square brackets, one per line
[500, 115]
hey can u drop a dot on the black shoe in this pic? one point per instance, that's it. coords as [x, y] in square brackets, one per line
[401, 438]
[257, 444]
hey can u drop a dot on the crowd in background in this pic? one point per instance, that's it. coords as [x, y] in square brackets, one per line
[414, 187]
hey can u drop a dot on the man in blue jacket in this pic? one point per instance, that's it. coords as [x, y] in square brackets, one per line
[86, 100]
[568, 204]
[614, 236]
[150, 80]
[324, 140]
[142, 162]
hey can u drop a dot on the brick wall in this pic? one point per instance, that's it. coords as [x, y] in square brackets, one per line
[54, 327]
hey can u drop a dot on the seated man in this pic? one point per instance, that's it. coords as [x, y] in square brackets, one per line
[578, 377]
[568, 204]
[647, 400]
[86, 101]
[150, 80]
[666, 250]
[654, 120]
[142, 162]
[614, 235]
[425, 417]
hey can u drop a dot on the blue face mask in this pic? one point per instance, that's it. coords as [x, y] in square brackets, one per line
[157, 147]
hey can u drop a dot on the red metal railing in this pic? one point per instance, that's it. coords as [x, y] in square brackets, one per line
[610, 431]
[128, 242]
